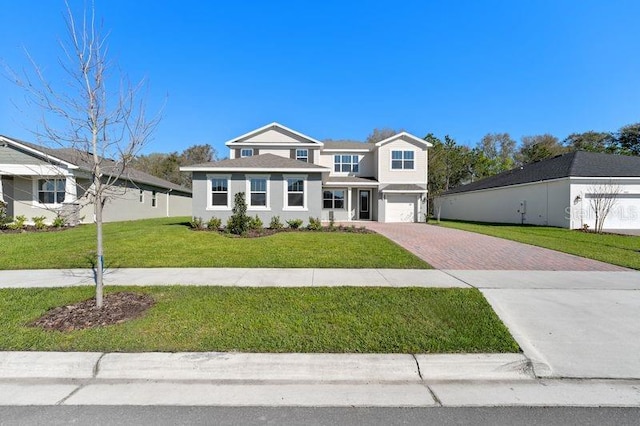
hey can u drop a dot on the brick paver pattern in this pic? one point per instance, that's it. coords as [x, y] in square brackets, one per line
[445, 248]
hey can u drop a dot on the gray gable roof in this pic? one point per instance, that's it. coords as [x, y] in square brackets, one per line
[348, 145]
[262, 161]
[83, 161]
[576, 164]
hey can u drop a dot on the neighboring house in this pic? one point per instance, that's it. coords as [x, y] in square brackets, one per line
[287, 174]
[558, 191]
[39, 181]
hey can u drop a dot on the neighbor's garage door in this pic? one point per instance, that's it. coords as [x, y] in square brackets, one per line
[400, 208]
[625, 213]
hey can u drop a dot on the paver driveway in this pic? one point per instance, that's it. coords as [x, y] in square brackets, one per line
[446, 248]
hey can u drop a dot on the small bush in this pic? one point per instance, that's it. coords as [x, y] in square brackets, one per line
[214, 223]
[38, 222]
[59, 222]
[239, 222]
[196, 223]
[294, 223]
[255, 223]
[275, 223]
[18, 222]
[4, 219]
[314, 224]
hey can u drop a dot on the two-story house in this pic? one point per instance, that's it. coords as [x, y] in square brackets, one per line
[288, 174]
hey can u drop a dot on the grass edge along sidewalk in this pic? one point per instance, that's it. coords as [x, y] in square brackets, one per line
[621, 250]
[168, 242]
[307, 320]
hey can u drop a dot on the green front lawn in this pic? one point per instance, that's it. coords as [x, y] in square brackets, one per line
[342, 319]
[619, 250]
[168, 242]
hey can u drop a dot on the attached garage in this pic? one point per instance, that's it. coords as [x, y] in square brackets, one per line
[401, 208]
[624, 213]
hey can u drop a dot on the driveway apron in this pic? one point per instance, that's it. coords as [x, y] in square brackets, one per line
[446, 248]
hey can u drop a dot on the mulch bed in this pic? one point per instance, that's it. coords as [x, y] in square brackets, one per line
[117, 308]
[265, 232]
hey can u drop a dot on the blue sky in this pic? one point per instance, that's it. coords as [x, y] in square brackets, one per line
[338, 69]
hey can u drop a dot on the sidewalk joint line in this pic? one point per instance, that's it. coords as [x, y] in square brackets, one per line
[96, 367]
[73, 392]
[456, 278]
[384, 278]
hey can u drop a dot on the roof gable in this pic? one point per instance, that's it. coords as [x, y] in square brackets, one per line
[408, 137]
[275, 134]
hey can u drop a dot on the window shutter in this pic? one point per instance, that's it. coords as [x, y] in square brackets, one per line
[237, 153]
[293, 154]
[311, 152]
[256, 151]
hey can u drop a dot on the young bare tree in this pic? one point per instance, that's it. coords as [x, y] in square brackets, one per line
[603, 198]
[96, 112]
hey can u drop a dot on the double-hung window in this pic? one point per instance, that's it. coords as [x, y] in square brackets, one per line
[219, 192]
[141, 196]
[154, 199]
[402, 160]
[259, 192]
[333, 199]
[295, 197]
[51, 191]
[345, 163]
[302, 155]
[246, 152]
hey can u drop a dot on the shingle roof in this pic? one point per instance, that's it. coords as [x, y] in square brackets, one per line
[577, 164]
[262, 161]
[351, 180]
[82, 160]
[348, 145]
[397, 187]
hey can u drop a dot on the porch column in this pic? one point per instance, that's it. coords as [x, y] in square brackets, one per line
[349, 203]
[70, 189]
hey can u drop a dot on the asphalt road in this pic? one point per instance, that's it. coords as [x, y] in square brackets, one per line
[149, 415]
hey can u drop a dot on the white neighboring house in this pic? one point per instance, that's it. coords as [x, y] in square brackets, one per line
[294, 176]
[39, 181]
[555, 192]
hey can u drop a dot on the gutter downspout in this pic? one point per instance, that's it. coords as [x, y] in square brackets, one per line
[168, 195]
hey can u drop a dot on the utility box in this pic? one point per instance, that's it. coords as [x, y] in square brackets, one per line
[522, 209]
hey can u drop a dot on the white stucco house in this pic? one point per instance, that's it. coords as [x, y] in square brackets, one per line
[558, 191]
[294, 176]
[40, 181]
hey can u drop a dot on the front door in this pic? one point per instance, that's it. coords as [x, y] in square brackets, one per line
[364, 204]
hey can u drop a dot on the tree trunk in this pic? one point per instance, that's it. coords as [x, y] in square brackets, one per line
[99, 251]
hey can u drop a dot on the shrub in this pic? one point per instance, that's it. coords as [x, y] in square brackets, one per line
[196, 223]
[214, 223]
[275, 223]
[294, 223]
[4, 219]
[18, 222]
[255, 223]
[239, 221]
[332, 223]
[38, 222]
[314, 224]
[59, 222]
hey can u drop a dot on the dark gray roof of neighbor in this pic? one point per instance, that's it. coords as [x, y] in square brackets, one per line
[348, 145]
[576, 164]
[351, 179]
[262, 161]
[403, 187]
[84, 161]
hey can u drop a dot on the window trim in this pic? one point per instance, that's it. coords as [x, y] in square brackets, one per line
[246, 149]
[352, 164]
[333, 199]
[210, 205]
[305, 191]
[304, 157]
[267, 189]
[36, 191]
[403, 160]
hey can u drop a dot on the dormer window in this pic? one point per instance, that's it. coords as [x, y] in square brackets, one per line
[246, 152]
[346, 163]
[302, 155]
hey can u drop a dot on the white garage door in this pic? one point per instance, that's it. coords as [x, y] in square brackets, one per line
[400, 208]
[625, 213]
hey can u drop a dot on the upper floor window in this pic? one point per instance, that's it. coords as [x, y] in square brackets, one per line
[302, 155]
[51, 191]
[219, 192]
[246, 152]
[345, 163]
[402, 160]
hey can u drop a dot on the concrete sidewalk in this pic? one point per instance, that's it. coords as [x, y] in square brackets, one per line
[234, 379]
